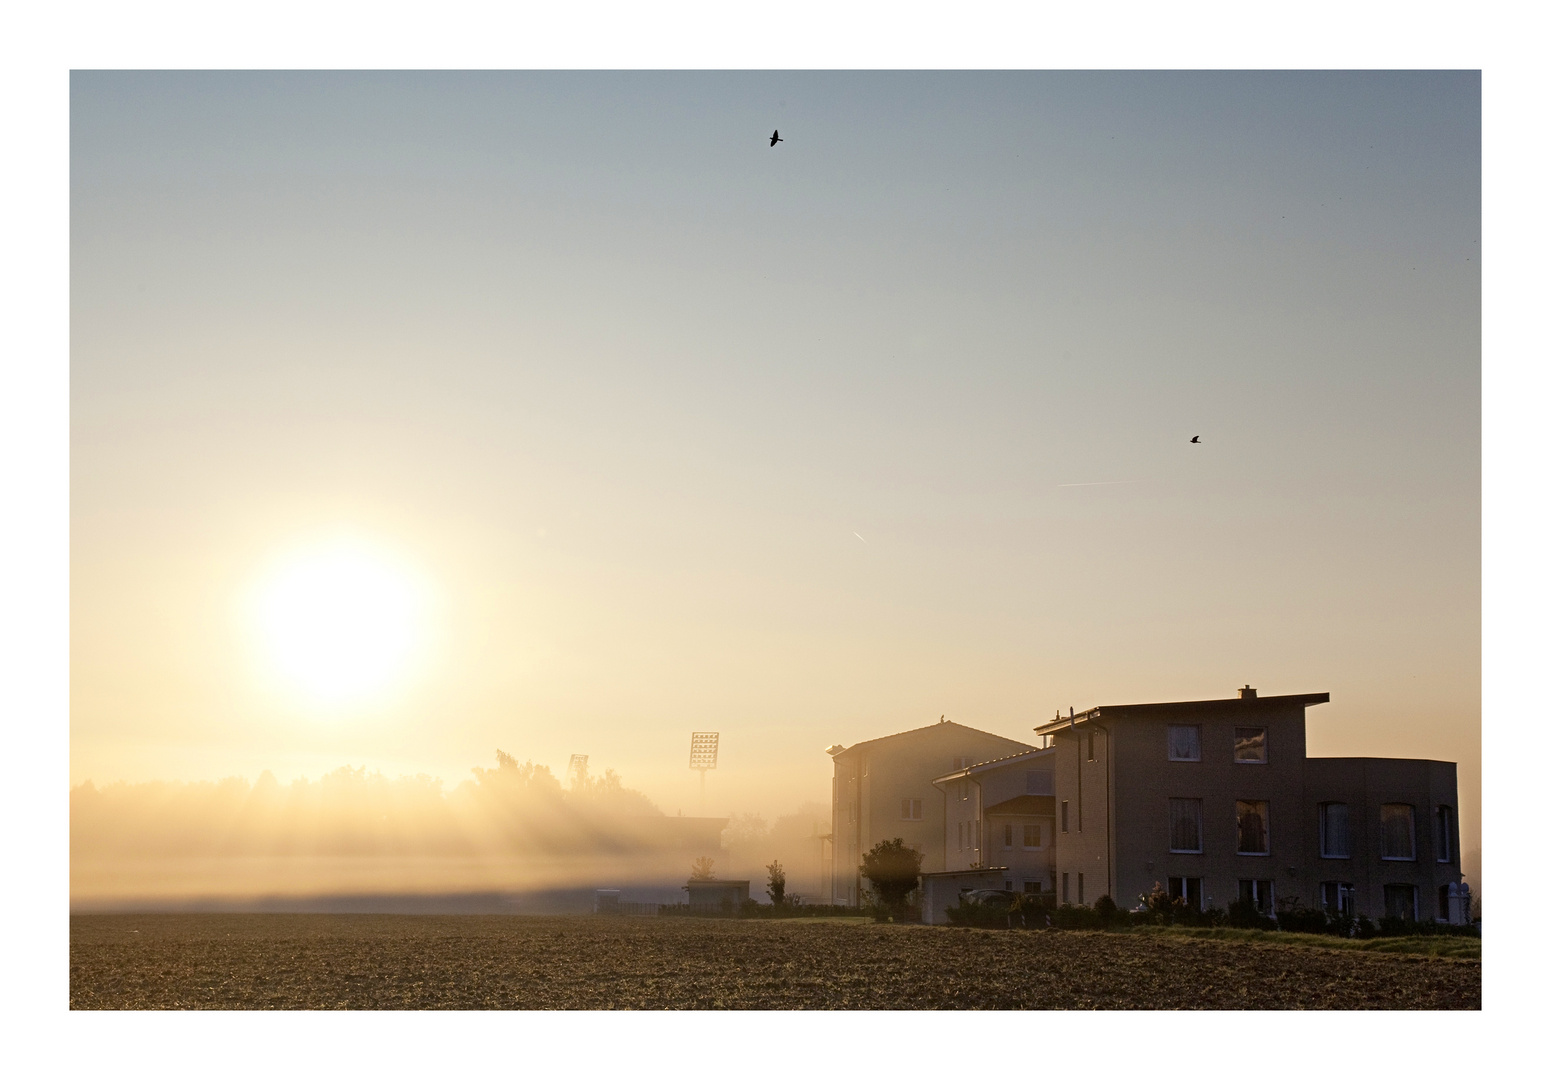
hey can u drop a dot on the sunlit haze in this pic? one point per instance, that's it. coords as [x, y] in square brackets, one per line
[416, 416]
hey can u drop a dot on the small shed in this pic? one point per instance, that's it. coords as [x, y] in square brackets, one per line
[939, 892]
[605, 902]
[717, 897]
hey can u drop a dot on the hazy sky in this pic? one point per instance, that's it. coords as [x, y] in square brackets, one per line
[677, 431]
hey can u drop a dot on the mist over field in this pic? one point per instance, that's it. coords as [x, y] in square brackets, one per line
[515, 827]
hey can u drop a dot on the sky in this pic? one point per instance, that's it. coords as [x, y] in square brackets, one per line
[669, 430]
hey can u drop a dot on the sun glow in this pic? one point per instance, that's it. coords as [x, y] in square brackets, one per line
[341, 624]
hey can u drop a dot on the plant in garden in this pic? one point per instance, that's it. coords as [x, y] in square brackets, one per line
[701, 869]
[777, 883]
[894, 871]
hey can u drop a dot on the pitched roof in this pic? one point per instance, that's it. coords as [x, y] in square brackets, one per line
[993, 763]
[916, 731]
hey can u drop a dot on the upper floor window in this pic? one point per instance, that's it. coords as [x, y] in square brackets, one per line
[963, 789]
[1445, 833]
[1184, 742]
[1333, 825]
[1007, 834]
[1397, 831]
[1031, 837]
[1091, 756]
[1185, 825]
[1249, 745]
[1064, 804]
[910, 810]
[1254, 827]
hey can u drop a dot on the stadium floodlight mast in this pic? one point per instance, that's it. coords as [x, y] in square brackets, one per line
[577, 770]
[702, 756]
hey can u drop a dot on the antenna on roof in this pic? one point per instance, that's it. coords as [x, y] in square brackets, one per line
[943, 719]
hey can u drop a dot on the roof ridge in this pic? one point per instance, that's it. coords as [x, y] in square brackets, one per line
[929, 727]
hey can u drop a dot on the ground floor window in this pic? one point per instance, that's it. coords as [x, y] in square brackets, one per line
[1034, 886]
[1187, 889]
[1400, 901]
[1259, 893]
[1338, 898]
[1081, 899]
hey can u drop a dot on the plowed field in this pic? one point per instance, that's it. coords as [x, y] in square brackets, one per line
[516, 962]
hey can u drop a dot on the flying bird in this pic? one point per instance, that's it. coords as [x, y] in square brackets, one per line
[775, 137]
[1196, 438]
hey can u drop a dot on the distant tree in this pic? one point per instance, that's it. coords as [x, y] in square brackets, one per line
[894, 871]
[777, 889]
[701, 869]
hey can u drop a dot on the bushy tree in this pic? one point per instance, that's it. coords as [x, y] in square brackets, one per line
[893, 870]
[701, 869]
[777, 889]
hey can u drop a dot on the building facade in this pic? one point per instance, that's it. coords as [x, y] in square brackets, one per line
[882, 789]
[1213, 800]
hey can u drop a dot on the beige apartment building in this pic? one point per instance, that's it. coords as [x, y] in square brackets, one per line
[1218, 801]
[1214, 800]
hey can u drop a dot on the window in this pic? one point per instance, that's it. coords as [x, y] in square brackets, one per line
[1443, 904]
[1039, 783]
[1339, 898]
[963, 790]
[1185, 825]
[1090, 755]
[1249, 745]
[910, 810]
[1397, 832]
[1445, 843]
[961, 836]
[1066, 888]
[1333, 821]
[1079, 889]
[1007, 834]
[975, 836]
[1033, 886]
[864, 766]
[1064, 805]
[1184, 742]
[1400, 902]
[1030, 836]
[1187, 889]
[1254, 827]
[1257, 892]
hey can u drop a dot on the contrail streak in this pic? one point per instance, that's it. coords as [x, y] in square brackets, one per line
[1101, 483]
[859, 536]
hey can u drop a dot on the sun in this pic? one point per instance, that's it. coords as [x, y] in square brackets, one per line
[342, 623]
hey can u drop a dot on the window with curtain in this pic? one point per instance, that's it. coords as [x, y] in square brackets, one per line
[1031, 835]
[1333, 840]
[1339, 898]
[1254, 827]
[1445, 846]
[1184, 742]
[1185, 825]
[1397, 831]
[1400, 901]
[1249, 745]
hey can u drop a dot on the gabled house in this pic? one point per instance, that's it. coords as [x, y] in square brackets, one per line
[882, 789]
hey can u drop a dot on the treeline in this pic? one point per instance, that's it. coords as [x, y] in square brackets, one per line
[516, 806]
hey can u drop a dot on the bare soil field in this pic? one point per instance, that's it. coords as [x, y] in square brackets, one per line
[580, 962]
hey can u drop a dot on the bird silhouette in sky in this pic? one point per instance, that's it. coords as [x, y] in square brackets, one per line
[1196, 439]
[775, 137]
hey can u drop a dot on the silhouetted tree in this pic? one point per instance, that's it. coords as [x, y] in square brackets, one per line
[777, 889]
[894, 871]
[700, 870]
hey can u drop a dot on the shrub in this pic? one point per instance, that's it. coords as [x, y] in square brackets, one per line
[777, 883]
[894, 871]
[1244, 914]
[1302, 920]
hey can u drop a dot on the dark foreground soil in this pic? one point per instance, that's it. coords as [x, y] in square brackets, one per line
[518, 962]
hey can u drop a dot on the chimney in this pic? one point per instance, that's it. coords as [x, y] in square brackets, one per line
[1246, 692]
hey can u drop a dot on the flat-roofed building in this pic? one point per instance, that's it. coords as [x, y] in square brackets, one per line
[1217, 800]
